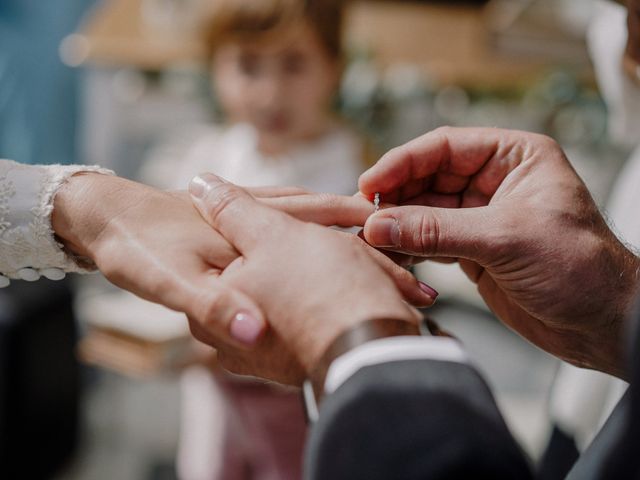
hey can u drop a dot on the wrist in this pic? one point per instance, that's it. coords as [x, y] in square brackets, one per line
[607, 350]
[82, 208]
[354, 337]
[316, 337]
[630, 289]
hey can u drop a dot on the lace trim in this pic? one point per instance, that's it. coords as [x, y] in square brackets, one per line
[32, 244]
[7, 191]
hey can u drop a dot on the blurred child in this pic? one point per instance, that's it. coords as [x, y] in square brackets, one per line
[276, 67]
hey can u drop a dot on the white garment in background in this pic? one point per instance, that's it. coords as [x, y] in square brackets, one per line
[622, 208]
[607, 40]
[26, 237]
[581, 400]
[330, 164]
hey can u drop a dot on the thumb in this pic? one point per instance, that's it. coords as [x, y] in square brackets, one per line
[232, 211]
[220, 312]
[431, 232]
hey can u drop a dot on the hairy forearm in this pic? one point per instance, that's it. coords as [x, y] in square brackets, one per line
[605, 347]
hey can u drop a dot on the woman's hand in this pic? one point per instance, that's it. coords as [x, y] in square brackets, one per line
[524, 227]
[321, 208]
[313, 283]
[157, 245]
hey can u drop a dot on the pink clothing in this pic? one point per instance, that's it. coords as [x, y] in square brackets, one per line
[239, 429]
[267, 431]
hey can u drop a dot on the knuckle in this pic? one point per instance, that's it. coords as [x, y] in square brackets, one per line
[219, 199]
[428, 235]
[545, 141]
[442, 131]
[394, 153]
[196, 332]
[212, 308]
[329, 201]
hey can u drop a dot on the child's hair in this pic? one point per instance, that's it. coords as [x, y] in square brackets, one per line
[251, 19]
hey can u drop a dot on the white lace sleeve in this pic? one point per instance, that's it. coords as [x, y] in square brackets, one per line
[28, 247]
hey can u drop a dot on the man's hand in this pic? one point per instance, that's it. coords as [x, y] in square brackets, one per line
[510, 207]
[313, 283]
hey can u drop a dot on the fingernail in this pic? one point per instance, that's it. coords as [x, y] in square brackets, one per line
[428, 290]
[246, 328]
[384, 232]
[198, 186]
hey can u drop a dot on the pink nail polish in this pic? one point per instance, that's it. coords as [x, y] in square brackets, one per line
[428, 290]
[246, 328]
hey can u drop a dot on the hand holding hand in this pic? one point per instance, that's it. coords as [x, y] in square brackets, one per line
[157, 245]
[313, 283]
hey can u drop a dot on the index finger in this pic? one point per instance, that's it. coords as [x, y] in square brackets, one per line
[324, 208]
[447, 160]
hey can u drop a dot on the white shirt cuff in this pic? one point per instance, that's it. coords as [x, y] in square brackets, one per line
[392, 349]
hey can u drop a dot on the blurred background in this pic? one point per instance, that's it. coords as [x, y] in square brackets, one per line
[89, 383]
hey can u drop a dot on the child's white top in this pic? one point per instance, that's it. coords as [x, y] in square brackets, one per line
[331, 163]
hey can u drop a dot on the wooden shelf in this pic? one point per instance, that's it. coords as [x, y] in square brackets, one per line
[449, 42]
[115, 34]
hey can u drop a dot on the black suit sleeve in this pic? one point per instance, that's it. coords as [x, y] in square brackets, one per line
[410, 420]
[614, 451]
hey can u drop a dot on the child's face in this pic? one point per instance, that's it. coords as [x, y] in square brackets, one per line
[282, 85]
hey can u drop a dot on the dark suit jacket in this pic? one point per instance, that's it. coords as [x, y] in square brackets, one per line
[428, 419]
